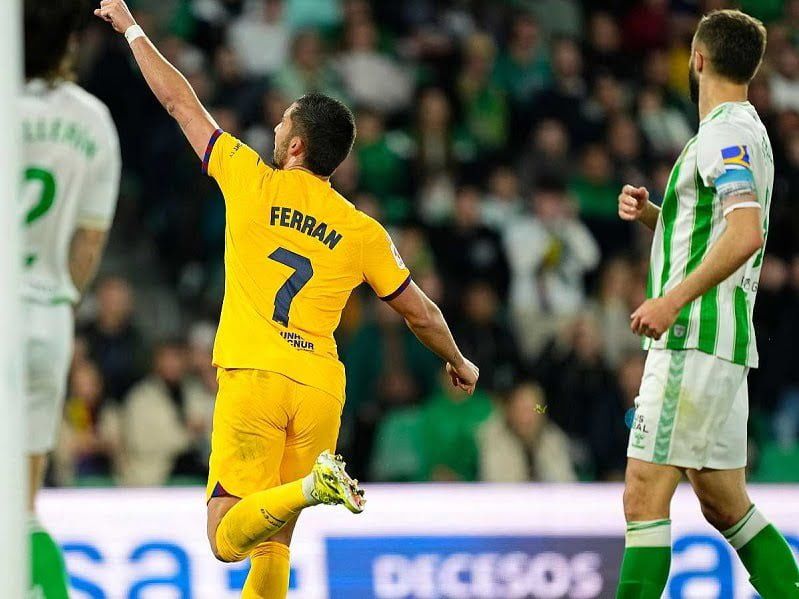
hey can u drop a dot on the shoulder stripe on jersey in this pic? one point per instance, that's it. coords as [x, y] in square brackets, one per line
[207, 157]
[741, 345]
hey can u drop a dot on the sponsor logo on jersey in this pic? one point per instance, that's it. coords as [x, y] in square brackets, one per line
[296, 341]
[737, 156]
[396, 254]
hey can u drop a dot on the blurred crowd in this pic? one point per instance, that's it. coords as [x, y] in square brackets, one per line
[493, 139]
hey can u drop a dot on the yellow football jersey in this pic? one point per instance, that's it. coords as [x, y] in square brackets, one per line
[294, 251]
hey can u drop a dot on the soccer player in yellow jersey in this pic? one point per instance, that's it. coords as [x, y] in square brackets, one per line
[295, 249]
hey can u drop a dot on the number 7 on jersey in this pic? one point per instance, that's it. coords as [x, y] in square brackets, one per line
[303, 271]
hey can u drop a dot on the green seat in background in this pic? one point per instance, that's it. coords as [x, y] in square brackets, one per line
[777, 464]
[397, 456]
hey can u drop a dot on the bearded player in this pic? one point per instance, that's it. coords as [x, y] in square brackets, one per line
[295, 249]
[71, 167]
[707, 251]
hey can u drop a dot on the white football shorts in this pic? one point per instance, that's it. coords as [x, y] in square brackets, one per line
[48, 332]
[691, 411]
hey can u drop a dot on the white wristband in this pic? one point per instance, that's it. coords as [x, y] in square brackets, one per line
[133, 32]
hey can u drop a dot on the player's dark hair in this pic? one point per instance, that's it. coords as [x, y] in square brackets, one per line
[328, 129]
[48, 28]
[735, 41]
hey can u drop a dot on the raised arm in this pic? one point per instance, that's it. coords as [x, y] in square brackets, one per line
[427, 322]
[166, 82]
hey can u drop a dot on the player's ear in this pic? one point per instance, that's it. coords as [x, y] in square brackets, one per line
[296, 146]
[699, 61]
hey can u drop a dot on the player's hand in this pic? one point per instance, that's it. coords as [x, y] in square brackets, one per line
[117, 13]
[632, 202]
[464, 375]
[654, 317]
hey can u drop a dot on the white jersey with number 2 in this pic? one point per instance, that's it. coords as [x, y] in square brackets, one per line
[70, 179]
[730, 155]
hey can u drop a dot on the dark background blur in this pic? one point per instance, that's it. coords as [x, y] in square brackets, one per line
[493, 139]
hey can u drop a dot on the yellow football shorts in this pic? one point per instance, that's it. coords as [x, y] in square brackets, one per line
[268, 430]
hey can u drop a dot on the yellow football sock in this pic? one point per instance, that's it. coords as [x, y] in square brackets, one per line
[269, 572]
[256, 518]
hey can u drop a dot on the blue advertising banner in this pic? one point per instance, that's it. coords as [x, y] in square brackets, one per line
[473, 567]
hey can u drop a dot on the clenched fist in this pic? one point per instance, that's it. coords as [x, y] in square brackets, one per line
[632, 202]
[463, 375]
[117, 13]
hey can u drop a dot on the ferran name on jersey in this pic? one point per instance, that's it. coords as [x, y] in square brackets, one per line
[305, 223]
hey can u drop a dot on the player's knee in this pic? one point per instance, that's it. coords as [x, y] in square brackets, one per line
[720, 514]
[224, 554]
[641, 502]
[283, 536]
[634, 504]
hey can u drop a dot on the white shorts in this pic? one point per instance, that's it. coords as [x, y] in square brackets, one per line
[48, 334]
[691, 411]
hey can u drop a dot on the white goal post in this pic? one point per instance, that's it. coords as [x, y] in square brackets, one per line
[13, 473]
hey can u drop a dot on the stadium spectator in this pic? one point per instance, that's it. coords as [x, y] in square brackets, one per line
[260, 37]
[163, 423]
[519, 443]
[523, 67]
[597, 189]
[603, 48]
[549, 252]
[308, 69]
[484, 334]
[449, 424]
[502, 205]
[482, 101]
[666, 128]
[360, 65]
[574, 371]
[466, 250]
[563, 98]
[113, 339]
[548, 155]
[83, 453]
[615, 301]
[383, 166]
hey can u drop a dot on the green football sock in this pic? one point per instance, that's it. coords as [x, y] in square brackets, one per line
[48, 571]
[766, 555]
[647, 558]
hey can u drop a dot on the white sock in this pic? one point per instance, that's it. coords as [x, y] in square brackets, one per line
[746, 529]
[308, 490]
[651, 533]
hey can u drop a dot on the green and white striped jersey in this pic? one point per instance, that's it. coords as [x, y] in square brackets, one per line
[691, 220]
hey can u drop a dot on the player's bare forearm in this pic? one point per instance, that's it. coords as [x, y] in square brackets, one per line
[85, 253]
[168, 85]
[649, 216]
[740, 240]
[175, 94]
[433, 331]
[425, 320]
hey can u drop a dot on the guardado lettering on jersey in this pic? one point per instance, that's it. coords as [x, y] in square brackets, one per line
[305, 223]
